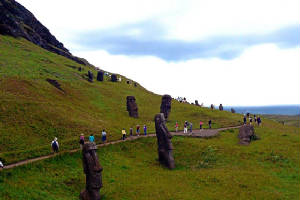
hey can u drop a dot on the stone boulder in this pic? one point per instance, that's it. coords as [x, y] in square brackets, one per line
[93, 172]
[165, 106]
[132, 107]
[165, 147]
[247, 134]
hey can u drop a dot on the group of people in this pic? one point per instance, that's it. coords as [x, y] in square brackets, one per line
[189, 126]
[256, 119]
[131, 131]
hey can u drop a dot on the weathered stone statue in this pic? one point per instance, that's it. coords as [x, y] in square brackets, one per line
[93, 172]
[221, 107]
[197, 103]
[165, 147]
[246, 134]
[100, 76]
[80, 69]
[90, 76]
[132, 107]
[232, 110]
[165, 106]
[212, 106]
[114, 78]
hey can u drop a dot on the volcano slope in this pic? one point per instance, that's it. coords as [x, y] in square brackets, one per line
[33, 111]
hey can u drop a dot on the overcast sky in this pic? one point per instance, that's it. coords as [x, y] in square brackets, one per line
[234, 52]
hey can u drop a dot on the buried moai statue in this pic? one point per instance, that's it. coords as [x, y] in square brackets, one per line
[93, 172]
[165, 106]
[100, 76]
[114, 78]
[132, 107]
[90, 76]
[165, 147]
[246, 134]
[221, 107]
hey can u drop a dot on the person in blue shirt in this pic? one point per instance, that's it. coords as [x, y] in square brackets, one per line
[92, 138]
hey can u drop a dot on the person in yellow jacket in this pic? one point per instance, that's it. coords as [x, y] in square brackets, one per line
[123, 134]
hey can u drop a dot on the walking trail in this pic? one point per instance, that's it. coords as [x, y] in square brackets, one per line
[204, 133]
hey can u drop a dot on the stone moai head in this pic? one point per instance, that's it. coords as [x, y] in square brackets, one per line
[90, 76]
[165, 106]
[100, 76]
[132, 107]
[93, 172]
[114, 78]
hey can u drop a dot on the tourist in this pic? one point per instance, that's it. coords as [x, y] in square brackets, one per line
[55, 145]
[176, 126]
[91, 138]
[245, 120]
[250, 120]
[1, 165]
[138, 130]
[131, 131]
[81, 141]
[209, 123]
[123, 134]
[191, 127]
[255, 119]
[201, 124]
[103, 135]
[258, 120]
[145, 130]
[185, 128]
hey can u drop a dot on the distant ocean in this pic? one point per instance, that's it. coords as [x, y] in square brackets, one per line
[271, 110]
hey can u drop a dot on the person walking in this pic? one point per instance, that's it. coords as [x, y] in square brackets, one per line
[131, 131]
[254, 118]
[191, 127]
[201, 124]
[258, 120]
[55, 145]
[209, 123]
[250, 120]
[176, 126]
[103, 136]
[185, 128]
[145, 130]
[138, 130]
[123, 134]
[92, 138]
[245, 120]
[81, 141]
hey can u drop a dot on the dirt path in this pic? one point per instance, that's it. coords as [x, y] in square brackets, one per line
[204, 133]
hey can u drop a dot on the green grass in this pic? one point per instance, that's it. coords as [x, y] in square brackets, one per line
[33, 112]
[289, 120]
[216, 168]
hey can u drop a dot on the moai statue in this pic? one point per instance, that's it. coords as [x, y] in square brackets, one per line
[90, 76]
[132, 107]
[221, 107]
[165, 147]
[246, 134]
[93, 172]
[212, 106]
[80, 69]
[197, 103]
[165, 106]
[100, 76]
[135, 84]
[232, 110]
[128, 82]
[114, 78]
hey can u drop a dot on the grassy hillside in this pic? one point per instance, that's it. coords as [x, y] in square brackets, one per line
[216, 168]
[33, 112]
[290, 120]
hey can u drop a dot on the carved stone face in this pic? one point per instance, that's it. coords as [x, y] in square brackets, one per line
[166, 105]
[132, 106]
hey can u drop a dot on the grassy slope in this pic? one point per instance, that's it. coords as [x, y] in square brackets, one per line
[33, 112]
[216, 168]
[291, 120]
